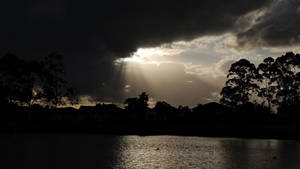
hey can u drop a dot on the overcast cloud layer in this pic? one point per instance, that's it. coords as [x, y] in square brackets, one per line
[93, 34]
[279, 25]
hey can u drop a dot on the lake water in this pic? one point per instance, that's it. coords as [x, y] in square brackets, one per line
[74, 151]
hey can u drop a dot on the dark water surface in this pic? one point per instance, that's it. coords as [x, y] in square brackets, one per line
[74, 151]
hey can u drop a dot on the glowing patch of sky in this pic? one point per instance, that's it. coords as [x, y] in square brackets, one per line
[197, 68]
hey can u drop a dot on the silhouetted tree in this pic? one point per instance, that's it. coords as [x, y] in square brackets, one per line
[266, 71]
[25, 83]
[140, 102]
[241, 83]
[31, 82]
[138, 105]
[143, 99]
[18, 79]
[287, 67]
[55, 87]
[10, 70]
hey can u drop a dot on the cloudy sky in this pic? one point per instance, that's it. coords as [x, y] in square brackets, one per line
[178, 52]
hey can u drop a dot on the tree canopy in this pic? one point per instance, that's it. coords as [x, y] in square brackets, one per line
[240, 84]
[275, 82]
[27, 82]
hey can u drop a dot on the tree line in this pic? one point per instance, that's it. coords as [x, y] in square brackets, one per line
[274, 83]
[33, 92]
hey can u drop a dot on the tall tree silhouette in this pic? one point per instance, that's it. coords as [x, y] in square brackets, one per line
[287, 73]
[54, 85]
[241, 83]
[9, 75]
[31, 82]
[266, 71]
[287, 66]
[18, 78]
[26, 82]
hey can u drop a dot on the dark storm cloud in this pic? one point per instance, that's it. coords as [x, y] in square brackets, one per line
[91, 34]
[279, 26]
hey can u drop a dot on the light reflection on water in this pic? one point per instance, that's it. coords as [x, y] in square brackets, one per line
[105, 151]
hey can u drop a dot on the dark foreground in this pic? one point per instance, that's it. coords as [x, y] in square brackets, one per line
[78, 151]
[213, 120]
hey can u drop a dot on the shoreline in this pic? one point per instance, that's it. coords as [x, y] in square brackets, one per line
[248, 132]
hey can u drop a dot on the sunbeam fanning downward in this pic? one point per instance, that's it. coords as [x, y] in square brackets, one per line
[160, 72]
[186, 73]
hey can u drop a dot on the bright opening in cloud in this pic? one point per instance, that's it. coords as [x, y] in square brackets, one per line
[146, 52]
[143, 55]
[155, 55]
[186, 73]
